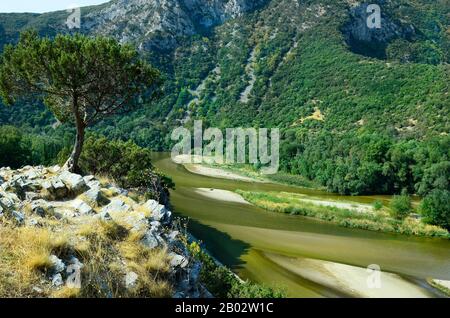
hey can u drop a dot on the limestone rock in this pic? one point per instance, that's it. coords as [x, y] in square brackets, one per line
[131, 279]
[73, 181]
[116, 205]
[58, 265]
[81, 207]
[57, 280]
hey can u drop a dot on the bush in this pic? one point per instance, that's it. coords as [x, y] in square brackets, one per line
[377, 205]
[400, 206]
[222, 283]
[435, 208]
[129, 165]
[14, 152]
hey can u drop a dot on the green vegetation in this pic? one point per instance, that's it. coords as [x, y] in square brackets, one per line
[374, 221]
[18, 149]
[377, 205]
[400, 206]
[60, 72]
[383, 123]
[222, 283]
[126, 164]
[435, 208]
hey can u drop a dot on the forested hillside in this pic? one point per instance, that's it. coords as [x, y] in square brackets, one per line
[360, 112]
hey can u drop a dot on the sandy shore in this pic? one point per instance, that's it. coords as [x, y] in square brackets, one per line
[203, 170]
[362, 208]
[350, 280]
[221, 195]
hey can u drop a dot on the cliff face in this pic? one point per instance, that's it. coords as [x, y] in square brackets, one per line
[158, 23]
[373, 41]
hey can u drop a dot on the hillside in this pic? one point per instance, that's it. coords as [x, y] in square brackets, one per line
[360, 111]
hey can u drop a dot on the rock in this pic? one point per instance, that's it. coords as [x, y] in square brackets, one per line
[18, 217]
[94, 184]
[8, 200]
[57, 280]
[88, 179]
[95, 197]
[75, 261]
[59, 188]
[104, 216]
[194, 272]
[58, 265]
[159, 211]
[37, 290]
[81, 207]
[41, 208]
[152, 240]
[33, 223]
[55, 169]
[155, 225]
[55, 188]
[73, 181]
[131, 279]
[116, 205]
[31, 196]
[173, 236]
[177, 260]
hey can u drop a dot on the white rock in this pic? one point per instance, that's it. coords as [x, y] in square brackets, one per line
[151, 239]
[58, 265]
[177, 260]
[131, 279]
[81, 207]
[40, 207]
[105, 216]
[57, 280]
[116, 205]
[19, 217]
[88, 179]
[73, 181]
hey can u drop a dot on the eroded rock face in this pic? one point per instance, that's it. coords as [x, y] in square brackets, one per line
[372, 41]
[69, 201]
[156, 24]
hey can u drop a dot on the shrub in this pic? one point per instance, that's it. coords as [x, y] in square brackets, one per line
[222, 283]
[400, 206]
[435, 208]
[377, 205]
[129, 165]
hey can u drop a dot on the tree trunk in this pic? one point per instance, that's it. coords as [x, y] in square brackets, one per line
[72, 163]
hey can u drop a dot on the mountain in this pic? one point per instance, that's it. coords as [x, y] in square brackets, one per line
[361, 110]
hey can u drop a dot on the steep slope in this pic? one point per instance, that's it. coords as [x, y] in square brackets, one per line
[360, 110]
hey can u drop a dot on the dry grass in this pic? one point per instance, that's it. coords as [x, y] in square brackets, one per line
[108, 251]
[107, 241]
[24, 258]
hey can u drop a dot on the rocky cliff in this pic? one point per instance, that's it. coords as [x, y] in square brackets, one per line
[158, 23]
[62, 234]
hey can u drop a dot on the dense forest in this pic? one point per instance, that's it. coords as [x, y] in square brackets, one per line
[358, 116]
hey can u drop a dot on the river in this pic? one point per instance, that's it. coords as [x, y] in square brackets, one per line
[245, 237]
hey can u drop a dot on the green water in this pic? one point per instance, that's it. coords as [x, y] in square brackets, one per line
[239, 235]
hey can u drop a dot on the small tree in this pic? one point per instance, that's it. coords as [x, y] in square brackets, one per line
[400, 206]
[80, 79]
[435, 208]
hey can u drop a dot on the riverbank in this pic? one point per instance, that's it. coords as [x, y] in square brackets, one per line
[240, 172]
[343, 214]
[352, 281]
[240, 236]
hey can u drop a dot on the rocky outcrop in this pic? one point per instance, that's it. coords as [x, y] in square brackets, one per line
[373, 41]
[35, 196]
[156, 24]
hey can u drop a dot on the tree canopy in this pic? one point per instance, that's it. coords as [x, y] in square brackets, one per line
[80, 79]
